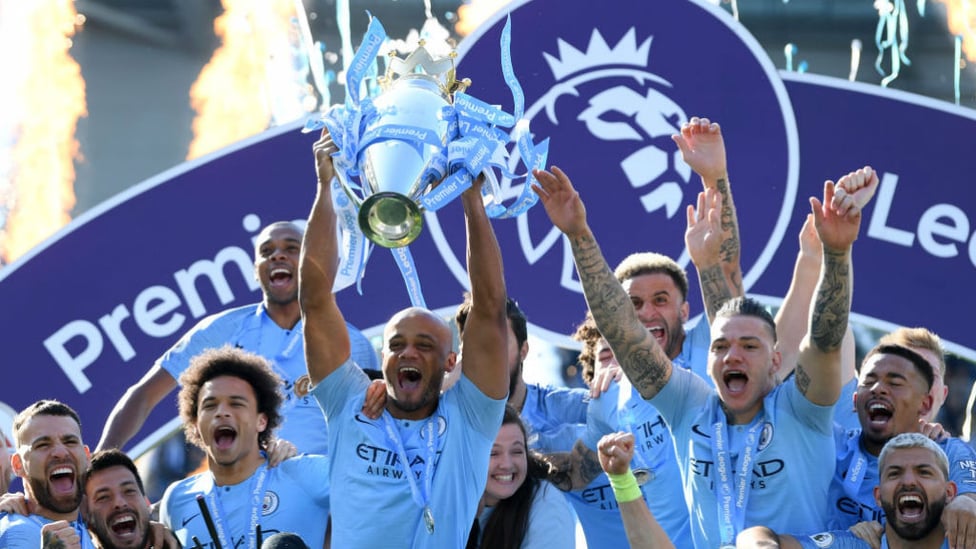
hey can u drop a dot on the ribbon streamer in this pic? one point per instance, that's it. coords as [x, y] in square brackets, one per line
[477, 138]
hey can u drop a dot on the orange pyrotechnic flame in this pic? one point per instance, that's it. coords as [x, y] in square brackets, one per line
[961, 17]
[474, 13]
[43, 96]
[233, 96]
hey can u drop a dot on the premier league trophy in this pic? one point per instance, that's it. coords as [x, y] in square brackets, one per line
[415, 142]
[404, 145]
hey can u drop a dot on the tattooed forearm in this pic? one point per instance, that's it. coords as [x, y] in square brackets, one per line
[731, 244]
[828, 320]
[802, 379]
[641, 358]
[559, 471]
[50, 541]
[715, 290]
[574, 470]
[589, 464]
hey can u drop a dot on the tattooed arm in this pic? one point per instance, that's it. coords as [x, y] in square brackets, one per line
[793, 318]
[638, 353]
[837, 221]
[571, 471]
[703, 148]
[703, 239]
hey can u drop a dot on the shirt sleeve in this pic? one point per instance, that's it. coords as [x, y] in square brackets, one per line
[552, 523]
[311, 471]
[347, 382]
[209, 333]
[19, 535]
[362, 351]
[481, 412]
[962, 465]
[681, 397]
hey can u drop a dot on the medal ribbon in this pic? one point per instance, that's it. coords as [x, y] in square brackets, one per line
[420, 493]
[731, 494]
[257, 501]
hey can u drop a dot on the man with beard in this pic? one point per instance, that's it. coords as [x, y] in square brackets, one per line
[424, 463]
[746, 420]
[914, 490]
[893, 396]
[117, 509]
[271, 328]
[51, 459]
[229, 404]
[658, 286]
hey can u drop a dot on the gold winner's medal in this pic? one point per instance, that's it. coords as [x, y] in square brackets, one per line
[643, 476]
[428, 519]
[302, 385]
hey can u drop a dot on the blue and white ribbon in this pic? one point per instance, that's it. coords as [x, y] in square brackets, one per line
[477, 138]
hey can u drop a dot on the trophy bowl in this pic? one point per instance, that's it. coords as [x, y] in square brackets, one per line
[403, 161]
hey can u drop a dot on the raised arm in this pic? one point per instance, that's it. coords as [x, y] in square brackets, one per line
[643, 530]
[326, 337]
[793, 317]
[704, 238]
[837, 220]
[129, 414]
[703, 148]
[484, 341]
[638, 353]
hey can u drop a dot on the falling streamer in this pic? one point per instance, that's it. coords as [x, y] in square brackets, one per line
[316, 65]
[891, 36]
[855, 59]
[958, 67]
[789, 51]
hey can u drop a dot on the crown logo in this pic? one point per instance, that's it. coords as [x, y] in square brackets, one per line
[421, 64]
[598, 54]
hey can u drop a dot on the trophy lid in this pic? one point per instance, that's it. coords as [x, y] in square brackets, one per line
[421, 62]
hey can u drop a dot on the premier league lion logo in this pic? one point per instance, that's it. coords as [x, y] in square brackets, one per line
[610, 90]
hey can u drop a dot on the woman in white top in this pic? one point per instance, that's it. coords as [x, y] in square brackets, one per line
[520, 509]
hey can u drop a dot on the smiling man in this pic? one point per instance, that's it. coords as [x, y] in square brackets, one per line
[893, 394]
[229, 404]
[51, 459]
[271, 328]
[117, 508]
[914, 489]
[418, 471]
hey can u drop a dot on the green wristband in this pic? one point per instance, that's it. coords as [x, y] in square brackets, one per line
[625, 486]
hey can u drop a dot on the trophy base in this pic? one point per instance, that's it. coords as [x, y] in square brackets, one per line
[390, 219]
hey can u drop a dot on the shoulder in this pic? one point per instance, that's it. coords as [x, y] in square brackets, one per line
[186, 489]
[235, 314]
[12, 521]
[305, 468]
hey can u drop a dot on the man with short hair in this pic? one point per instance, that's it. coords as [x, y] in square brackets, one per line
[51, 459]
[914, 488]
[271, 328]
[658, 286]
[419, 471]
[927, 344]
[893, 396]
[117, 509]
[230, 404]
[746, 426]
